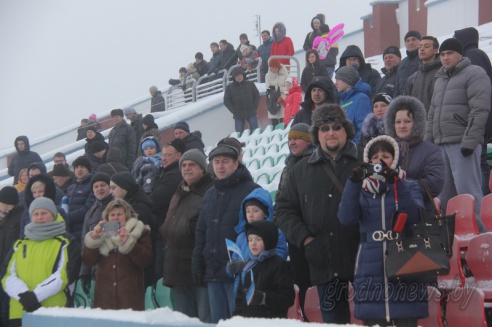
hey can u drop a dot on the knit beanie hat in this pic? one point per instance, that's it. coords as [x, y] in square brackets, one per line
[255, 202]
[9, 195]
[179, 145]
[125, 180]
[451, 44]
[195, 155]
[60, 170]
[199, 55]
[182, 125]
[100, 177]
[232, 142]
[415, 34]
[91, 127]
[149, 142]
[330, 113]
[116, 112]
[43, 203]
[348, 74]
[129, 111]
[392, 50]
[266, 230]
[82, 161]
[300, 131]
[148, 120]
[153, 89]
[98, 146]
[382, 97]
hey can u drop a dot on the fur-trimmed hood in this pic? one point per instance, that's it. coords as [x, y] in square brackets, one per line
[283, 32]
[419, 115]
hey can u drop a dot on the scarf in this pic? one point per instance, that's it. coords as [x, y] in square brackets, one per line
[405, 146]
[255, 259]
[376, 184]
[155, 159]
[41, 232]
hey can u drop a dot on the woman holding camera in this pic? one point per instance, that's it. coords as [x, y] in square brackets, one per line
[121, 246]
[379, 189]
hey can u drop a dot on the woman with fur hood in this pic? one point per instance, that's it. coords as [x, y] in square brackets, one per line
[121, 256]
[282, 45]
[373, 124]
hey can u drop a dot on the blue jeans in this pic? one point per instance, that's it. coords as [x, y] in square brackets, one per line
[331, 71]
[252, 121]
[221, 298]
[334, 304]
[462, 175]
[192, 301]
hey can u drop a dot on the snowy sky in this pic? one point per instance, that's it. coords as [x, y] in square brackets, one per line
[61, 60]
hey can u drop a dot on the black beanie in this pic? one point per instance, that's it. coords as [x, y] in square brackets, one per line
[60, 170]
[91, 128]
[392, 50]
[382, 97]
[82, 161]
[9, 195]
[182, 125]
[415, 34]
[125, 180]
[255, 202]
[98, 146]
[100, 177]
[453, 45]
[148, 120]
[199, 55]
[266, 230]
[179, 145]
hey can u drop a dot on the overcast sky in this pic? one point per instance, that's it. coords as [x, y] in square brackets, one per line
[61, 60]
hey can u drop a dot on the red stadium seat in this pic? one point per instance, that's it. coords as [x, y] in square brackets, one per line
[465, 307]
[479, 259]
[456, 276]
[466, 225]
[295, 310]
[486, 211]
[311, 305]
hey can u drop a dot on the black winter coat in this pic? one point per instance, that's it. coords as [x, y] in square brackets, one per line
[88, 142]
[228, 59]
[406, 68]
[201, 68]
[137, 120]
[178, 231]
[80, 200]
[274, 278]
[122, 136]
[387, 83]
[113, 163]
[194, 141]
[22, 159]
[311, 71]
[9, 230]
[304, 114]
[219, 215]
[308, 206]
[242, 99]
[157, 103]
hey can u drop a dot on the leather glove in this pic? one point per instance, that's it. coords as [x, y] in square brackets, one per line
[29, 301]
[85, 283]
[258, 298]
[466, 152]
[198, 279]
[235, 266]
[358, 174]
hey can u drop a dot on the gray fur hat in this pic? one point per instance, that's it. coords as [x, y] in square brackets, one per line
[44, 203]
[196, 156]
[330, 113]
[414, 106]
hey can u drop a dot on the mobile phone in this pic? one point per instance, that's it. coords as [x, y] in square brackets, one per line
[400, 220]
[110, 228]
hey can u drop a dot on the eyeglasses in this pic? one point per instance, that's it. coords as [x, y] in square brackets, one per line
[165, 155]
[326, 128]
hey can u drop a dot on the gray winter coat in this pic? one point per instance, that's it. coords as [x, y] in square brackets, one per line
[460, 106]
[421, 83]
[122, 136]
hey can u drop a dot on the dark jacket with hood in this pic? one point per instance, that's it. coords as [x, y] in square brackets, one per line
[387, 83]
[80, 200]
[113, 163]
[136, 123]
[308, 206]
[311, 71]
[304, 114]
[157, 103]
[469, 39]
[242, 99]
[178, 231]
[50, 191]
[22, 159]
[194, 141]
[219, 215]
[368, 74]
[228, 58]
[425, 160]
[408, 66]
[10, 230]
[308, 41]
[421, 83]
[214, 61]
[122, 136]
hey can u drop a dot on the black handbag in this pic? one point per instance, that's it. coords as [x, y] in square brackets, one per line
[437, 225]
[272, 103]
[416, 258]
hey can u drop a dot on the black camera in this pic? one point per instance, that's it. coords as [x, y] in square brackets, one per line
[372, 169]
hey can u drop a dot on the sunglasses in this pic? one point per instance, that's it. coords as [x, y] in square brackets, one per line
[326, 128]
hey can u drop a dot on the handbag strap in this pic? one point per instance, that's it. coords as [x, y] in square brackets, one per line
[333, 178]
[431, 199]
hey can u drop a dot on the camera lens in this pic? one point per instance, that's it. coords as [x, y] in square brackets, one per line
[378, 168]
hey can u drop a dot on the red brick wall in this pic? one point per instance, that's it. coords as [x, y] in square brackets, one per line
[484, 11]
[417, 20]
[384, 32]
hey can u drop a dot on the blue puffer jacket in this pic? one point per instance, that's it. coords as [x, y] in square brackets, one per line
[404, 300]
[264, 197]
[80, 199]
[357, 105]
[219, 214]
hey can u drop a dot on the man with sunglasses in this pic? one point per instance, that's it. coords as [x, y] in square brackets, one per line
[218, 216]
[308, 205]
